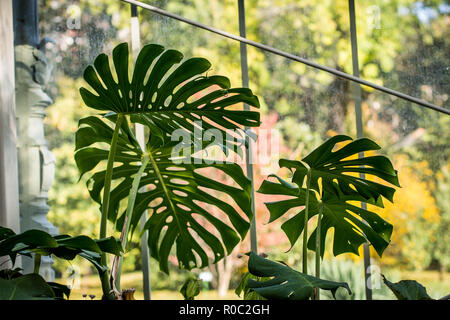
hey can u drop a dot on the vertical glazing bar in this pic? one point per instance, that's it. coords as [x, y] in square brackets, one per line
[359, 127]
[248, 150]
[140, 136]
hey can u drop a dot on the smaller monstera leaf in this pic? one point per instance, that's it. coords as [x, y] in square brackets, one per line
[286, 283]
[60, 290]
[242, 287]
[83, 246]
[352, 224]
[174, 190]
[191, 288]
[338, 173]
[6, 233]
[166, 93]
[69, 247]
[62, 246]
[407, 290]
[27, 287]
[13, 244]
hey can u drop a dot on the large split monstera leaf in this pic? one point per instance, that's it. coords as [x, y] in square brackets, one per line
[338, 173]
[176, 194]
[286, 283]
[166, 94]
[352, 224]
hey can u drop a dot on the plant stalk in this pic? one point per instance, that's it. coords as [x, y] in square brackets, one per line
[318, 248]
[106, 287]
[117, 270]
[305, 228]
[37, 263]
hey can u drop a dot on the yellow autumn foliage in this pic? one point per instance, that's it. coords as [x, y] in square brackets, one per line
[413, 214]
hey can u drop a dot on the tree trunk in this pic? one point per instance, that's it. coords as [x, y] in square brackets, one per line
[225, 269]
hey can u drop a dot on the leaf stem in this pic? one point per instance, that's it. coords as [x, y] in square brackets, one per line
[127, 222]
[106, 287]
[318, 247]
[37, 263]
[305, 228]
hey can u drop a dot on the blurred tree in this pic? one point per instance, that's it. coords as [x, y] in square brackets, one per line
[320, 31]
[441, 249]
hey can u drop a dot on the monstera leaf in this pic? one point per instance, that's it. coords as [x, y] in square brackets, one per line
[62, 246]
[352, 224]
[175, 193]
[26, 287]
[337, 172]
[31, 287]
[13, 244]
[286, 283]
[407, 290]
[243, 288]
[333, 178]
[191, 288]
[166, 94]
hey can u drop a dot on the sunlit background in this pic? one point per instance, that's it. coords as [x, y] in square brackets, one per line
[403, 45]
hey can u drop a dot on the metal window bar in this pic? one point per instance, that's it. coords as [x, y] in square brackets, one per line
[248, 150]
[291, 56]
[140, 136]
[359, 129]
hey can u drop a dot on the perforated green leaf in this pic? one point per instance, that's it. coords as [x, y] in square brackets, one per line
[339, 213]
[176, 194]
[335, 170]
[334, 179]
[286, 283]
[166, 93]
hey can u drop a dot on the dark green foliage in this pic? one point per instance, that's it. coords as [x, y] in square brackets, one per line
[176, 95]
[338, 191]
[62, 246]
[178, 187]
[168, 100]
[286, 283]
[191, 289]
[243, 287]
[335, 170]
[408, 290]
[26, 287]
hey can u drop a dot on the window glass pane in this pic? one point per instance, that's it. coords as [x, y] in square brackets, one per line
[404, 45]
